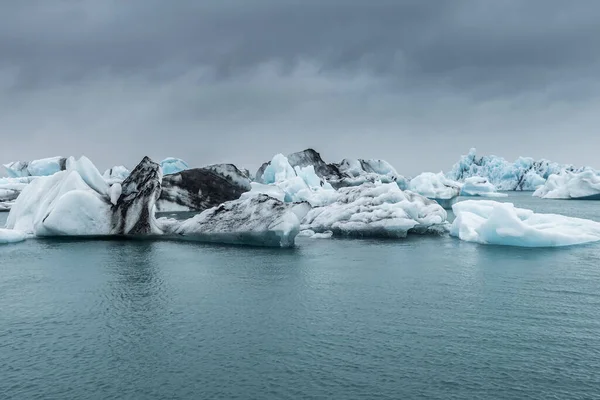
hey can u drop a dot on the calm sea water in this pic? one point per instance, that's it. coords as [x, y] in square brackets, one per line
[426, 317]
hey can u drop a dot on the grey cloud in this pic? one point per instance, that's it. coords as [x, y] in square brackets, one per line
[416, 82]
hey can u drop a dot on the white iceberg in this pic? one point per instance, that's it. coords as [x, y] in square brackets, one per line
[77, 202]
[260, 220]
[490, 222]
[172, 165]
[568, 185]
[524, 174]
[11, 236]
[42, 167]
[375, 210]
[479, 186]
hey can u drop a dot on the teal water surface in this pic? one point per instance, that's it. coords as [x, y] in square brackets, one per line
[426, 317]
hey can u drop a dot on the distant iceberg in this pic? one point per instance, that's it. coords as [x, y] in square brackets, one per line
[42, 167]
[172, 165]
[490, 222]
[523, 174]
[569, 185]
[349, 172]
[479, 186]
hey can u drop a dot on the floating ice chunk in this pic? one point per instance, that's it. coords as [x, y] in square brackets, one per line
[77, 202]
[379, 210]
[11, 236]
[579, 186]
[490, 222]
[435, 186]
[479, 186]
[259, 220]
[172, 165]
[42, 167]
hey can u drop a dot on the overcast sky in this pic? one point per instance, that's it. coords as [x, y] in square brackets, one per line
[415, 82]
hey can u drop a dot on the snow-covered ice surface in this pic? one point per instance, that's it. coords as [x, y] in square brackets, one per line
[172, 165]
[42, 167]
[375, 210]
[198, 189]
[479, 186]
[491, 222]
[523, 174]
[349, 172]
[568, 185]
[259, 220]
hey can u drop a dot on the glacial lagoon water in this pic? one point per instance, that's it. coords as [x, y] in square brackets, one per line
[426, 317]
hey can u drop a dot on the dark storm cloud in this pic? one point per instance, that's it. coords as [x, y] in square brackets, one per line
[239, 80]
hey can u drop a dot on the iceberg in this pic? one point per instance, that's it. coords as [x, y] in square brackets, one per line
[524, 174]
[42, 167]
[479, 186]
[260, 221]
[80, 202]
[490, 222]
[198, 189]
[77, 202]
[436, 187]
[349, 172]
[569, 185]
[172, 165]
[375, 210]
